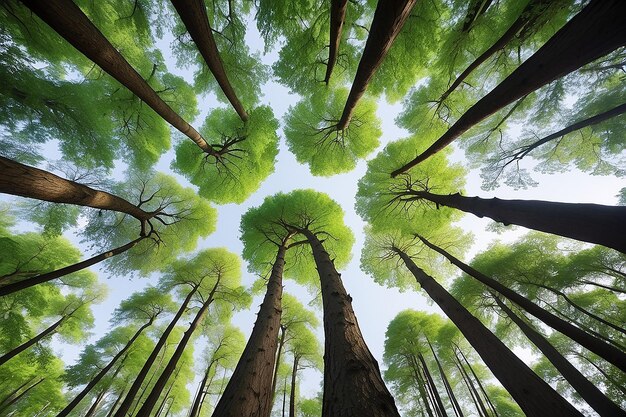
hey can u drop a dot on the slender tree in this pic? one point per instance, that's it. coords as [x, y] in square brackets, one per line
[337, 19]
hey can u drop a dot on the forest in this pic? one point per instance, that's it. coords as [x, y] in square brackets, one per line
[345, 208]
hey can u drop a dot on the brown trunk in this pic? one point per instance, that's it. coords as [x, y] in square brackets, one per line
[526, 19]
[609, 353]
[117, 401]
[249, 390]
[588, 391]
[194, 16]
[104, 371]
[337, 17]
[281, 343]
[433, 388]
[534, 396]
[71, 23]
[292, 392]
[477, 9]
[96, 403]
[594, 32]
[19, 349]
[39, 279]
[388, 20]
[141, 376]
[197, 402]
[353, 385]
[150, 402]
[594, 223]
[21, 395]
[455, 404]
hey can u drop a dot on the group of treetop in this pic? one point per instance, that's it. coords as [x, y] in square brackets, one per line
[89, 78]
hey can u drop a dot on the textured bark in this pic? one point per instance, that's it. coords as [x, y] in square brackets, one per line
[249, 390]
[353, 385]
[455, 404]
[337, 17]
[19, 349]
[433, 388]
[141, 376]
[534, 396]
[39, 279]
[595, 345]
[389, 18]
[292, 391]
[104, 370]
[194, 16]
[152, 399]
[588, 391]
[594, 32]
[71, 23]
[594, 223]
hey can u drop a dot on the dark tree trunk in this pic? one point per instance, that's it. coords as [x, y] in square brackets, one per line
[249, 390]
[71, 23]
[594, 223]
[96, 403]
[420, 384]
[534, 396]
[433, 388]
[141, 376]
[606, 287]
[19, 349]
[337, 17]
[48, 276]
[292, 392]
[152, 399]
[477, 8]
[455, 404]
[388, 20]
[480, 384]
[588, 391]
[594, 32]
[197, 402]
[609, 353]
[281, 343]
[353, 385]
[117, 401]
[478, 402]
[616, 384]
[194, 16]
[526, 19]
[21, 395]
[104, 371]
[11, 395]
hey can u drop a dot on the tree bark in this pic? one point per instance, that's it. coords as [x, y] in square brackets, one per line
[11, 395]
[389, 18]
[337, 17]
[19, 349]
[249, 390]
[197, 402]
[48, 276]
[152, 399]
[609, 353]
[534, 396]
[292, 393]
[588, 391]
[477, 9]
[594, 32]
[141, 376]
[616, 384]
[21, 395]
[71, 23]
[117, 401]
[478, 382]
[194, 16]
[104, 370]
[420, 384]
[353, 385]
[594, 223]
[478, 403]
[433, 387]
[455, 404]
[281, 343]
[94, 406]
[606, 287]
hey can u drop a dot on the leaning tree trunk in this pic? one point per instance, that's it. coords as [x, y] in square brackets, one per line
[71, 23]
[141, 376]
[595, 345]
[534, 396]
[104, 370]
[594, 223]
[337, 17]
[49, 276]
[292, 391]
[92, 409]
[388, 20]
[433, 388]
[419, 382]
[16, 398]
[194, 16]
[249, 390]
[478, 382]
[154, 395]
[594, 32]
[46, 333]
[588, 391]
[477, 9]
[478, 402]
[197, 402]
[353, 385]
[279, 350]
[455, 404]
[117, 400]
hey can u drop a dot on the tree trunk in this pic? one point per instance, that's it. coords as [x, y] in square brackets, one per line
[71, 23]
[117, 401]
[477, 9]
[194, 16]
[388, 20]
[478, 382]
[594, 32]
[526, 19]
[534, 396]
[21, 395]
[617, 384]
[281, 343]
[455, 404]
[104, 370]
[249, 390]
[337, 17]
[141, 376]
[588, 391]
[292, 393]
[478, 402]
[433, 388]
[609, 353]
[48, 276]
[197, 402]
[19, 349]
[94, 406]
[420, 384]
[10, 396]
[353, 385]
[594, 223]
[606, 287]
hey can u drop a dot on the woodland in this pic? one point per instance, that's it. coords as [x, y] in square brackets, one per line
[132, 132]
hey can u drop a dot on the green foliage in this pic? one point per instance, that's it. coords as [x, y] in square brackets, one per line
[247, 155]
[314, 138]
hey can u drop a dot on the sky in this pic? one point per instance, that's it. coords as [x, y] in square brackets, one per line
[375, 306]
